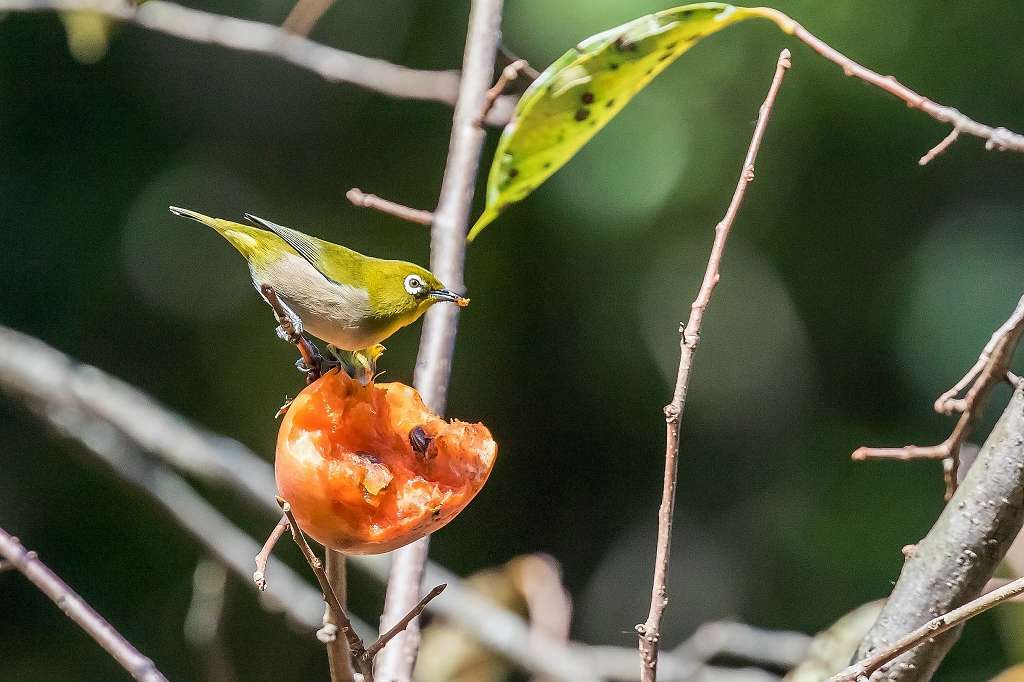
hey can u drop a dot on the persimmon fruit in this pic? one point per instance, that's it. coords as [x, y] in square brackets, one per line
[367, 469]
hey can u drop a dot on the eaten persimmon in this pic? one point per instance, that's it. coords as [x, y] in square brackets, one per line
[367, 469]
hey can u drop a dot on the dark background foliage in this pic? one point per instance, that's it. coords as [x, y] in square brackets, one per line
[857, 287]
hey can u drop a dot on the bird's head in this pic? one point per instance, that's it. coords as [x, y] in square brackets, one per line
[405, 290]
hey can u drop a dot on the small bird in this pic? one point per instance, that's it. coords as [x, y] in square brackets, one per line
[349, 300]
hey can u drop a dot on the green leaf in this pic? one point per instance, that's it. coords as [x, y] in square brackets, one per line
[585, 88]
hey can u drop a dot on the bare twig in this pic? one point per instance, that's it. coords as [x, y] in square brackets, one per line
[259, 576]
[508, 74]
[992, 367]
[437, 343]
[404, 621]
[650, 631]
[720, 639]
[75, 608]
[999, 139]
[942, 146]
[932, 628]
[304, 16]
[253, 36]
[413, 215]
[331, 597]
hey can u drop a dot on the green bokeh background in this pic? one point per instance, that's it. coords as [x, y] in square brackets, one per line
[856, 288]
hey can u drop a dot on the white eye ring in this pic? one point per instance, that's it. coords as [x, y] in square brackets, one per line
[414, 285]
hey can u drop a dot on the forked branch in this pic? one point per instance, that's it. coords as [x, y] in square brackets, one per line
[992, 367]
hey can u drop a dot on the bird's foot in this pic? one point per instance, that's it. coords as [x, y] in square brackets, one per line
[361, 365]
[321, 365]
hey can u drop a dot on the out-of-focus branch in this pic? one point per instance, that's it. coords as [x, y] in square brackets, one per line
[437, 342]
[952, 564]
[650, 631]
[204, 622]
[721, 639]
[254, 36]
[992, 367]
[339, 650]
[75, 608]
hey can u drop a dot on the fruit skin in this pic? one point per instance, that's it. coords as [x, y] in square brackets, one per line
[353, 479]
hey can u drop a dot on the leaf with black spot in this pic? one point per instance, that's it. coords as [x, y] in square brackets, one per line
[586, 87]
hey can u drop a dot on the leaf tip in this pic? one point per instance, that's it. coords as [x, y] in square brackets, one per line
[485, 219]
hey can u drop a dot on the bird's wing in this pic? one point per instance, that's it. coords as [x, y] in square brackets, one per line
[308, 247]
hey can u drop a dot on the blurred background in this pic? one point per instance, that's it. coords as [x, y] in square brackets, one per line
[856, 288]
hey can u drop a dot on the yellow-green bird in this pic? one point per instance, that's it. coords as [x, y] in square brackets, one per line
[347, 299]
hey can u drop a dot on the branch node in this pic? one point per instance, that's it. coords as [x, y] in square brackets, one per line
[508, 74]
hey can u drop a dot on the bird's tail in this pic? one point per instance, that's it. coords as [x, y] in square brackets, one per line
[253, 243]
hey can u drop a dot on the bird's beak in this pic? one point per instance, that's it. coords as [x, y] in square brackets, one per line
[450, 296]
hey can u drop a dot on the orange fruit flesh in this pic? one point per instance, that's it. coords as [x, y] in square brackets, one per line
[354, 481]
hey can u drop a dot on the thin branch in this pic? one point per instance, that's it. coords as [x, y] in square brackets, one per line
[75, 608]
[929, 630]
[330, 596]
[413, 215]
[1000, 139]
[942, 146]
[507, 56]
[253, 36]
[259, 576]
[304, 16]
[947, 402]
[508, 74]
[992, 367]
[437, 342]
[650, 631]
[403, 622]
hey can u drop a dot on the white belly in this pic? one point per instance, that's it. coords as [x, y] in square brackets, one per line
[337, 313]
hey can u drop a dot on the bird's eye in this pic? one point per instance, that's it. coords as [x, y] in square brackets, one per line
[414, 285]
